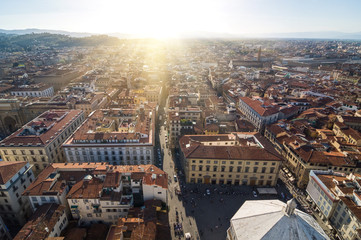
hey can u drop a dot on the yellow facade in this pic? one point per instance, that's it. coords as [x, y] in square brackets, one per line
[232, 172]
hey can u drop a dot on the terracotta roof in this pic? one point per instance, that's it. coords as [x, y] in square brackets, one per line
[88, 130]
[259, 107]
[160, 180]
[88, 189]
[198, 150]
[53, 125]
[54, 179]
[9, 169]
[46, 216]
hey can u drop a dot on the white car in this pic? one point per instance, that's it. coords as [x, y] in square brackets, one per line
[254, 194]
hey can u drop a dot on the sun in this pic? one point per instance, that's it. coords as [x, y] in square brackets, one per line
[155, 19]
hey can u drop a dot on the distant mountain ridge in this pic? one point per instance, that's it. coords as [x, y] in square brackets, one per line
[36, 30]
[200, 34]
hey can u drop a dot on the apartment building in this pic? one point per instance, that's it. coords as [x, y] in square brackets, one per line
[257, 112]
[233, 159]
[91, 102]
[116, 136]
[336, 198]
[181, 119]
[15, 177]
[48, 221]
[34, 90]
[95, 192]
[39, 141]
[303, 156]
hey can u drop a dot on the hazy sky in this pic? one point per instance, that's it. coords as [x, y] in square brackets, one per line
[169, 17]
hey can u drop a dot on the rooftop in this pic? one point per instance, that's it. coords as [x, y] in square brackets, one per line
[268, 219]
[43, 129]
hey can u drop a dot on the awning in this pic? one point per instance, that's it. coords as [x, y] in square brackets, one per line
[73, 206]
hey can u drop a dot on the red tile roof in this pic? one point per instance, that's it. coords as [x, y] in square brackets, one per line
[46, 216]
[45, 138]
[9, 169]
[259, 107]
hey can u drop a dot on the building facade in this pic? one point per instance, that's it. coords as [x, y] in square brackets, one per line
[36, 90]
[233, 159]
[257, 112]
[48, 221]
[109, 136]
[15, 177]
[39, 141]
[336, 199]
[94, 192]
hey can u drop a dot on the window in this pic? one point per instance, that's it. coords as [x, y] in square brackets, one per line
[223, 168]
[230, 169]
[247, 169]
[239, 169]
[263, 170]
[200, 168]
[214, 168]
[272, 170]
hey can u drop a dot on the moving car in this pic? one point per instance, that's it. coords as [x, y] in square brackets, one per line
[254, 194]
[208, 192]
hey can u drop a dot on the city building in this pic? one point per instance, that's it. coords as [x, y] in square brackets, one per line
[15, 177]
[149, 222]
[48, 221]
[336, 199]
[257, 112]
[116, 136]
[34, 90]
[4, 232]
[95, 192]
[273, 219]
[39, 141]
[325, 152]
[180, 119]
[234, 159]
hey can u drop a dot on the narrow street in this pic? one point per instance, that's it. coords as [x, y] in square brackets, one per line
[175, 203]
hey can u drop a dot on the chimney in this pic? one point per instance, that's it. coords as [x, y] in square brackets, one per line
[291, 206]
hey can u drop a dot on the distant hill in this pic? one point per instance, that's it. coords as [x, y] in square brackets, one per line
[197, 34]
[27, 42]
[35, 30]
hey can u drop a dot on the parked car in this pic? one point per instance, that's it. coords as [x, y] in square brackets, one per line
[175, 178]
[208, 192]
